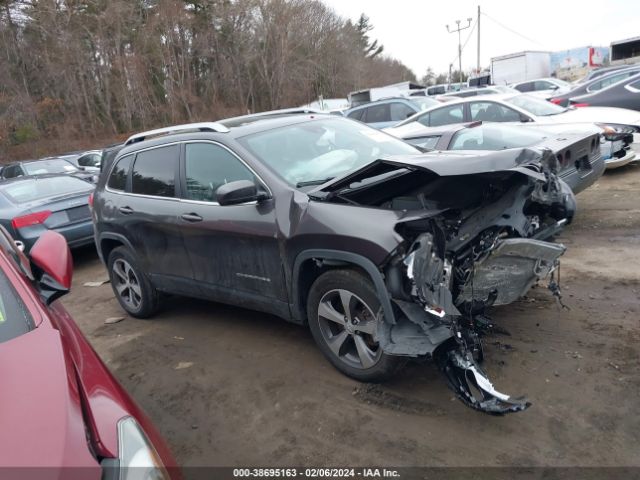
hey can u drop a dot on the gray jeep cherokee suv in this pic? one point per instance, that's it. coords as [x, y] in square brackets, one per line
[385, 252]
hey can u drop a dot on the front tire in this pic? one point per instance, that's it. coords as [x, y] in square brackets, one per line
[132, 288]
[342, 309]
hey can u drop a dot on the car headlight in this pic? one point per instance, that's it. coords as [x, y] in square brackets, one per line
[138, 459]
[611, 129]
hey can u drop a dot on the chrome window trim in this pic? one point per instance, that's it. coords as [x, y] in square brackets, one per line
[184, 200]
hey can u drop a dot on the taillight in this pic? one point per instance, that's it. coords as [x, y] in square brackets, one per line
[578, 105]
[91, 199]
[31, 219]
[557, 101]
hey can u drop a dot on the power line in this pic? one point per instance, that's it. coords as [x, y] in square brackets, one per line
[511, 30]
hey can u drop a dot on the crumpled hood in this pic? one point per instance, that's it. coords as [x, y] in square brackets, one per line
[40, 411]
[448, 163]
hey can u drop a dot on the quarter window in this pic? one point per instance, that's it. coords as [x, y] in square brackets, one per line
[118, 178]
[208, 167]
[154, 172]
[428, 143]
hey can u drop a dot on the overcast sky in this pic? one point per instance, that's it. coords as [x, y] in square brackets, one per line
[414, 31]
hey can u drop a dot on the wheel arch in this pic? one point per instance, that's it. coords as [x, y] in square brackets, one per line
[109, 241]
[310, 264]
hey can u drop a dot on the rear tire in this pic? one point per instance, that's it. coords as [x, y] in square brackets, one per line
[341, 308]
[132, 288]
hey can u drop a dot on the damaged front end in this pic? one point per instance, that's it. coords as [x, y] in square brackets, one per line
[475, 236]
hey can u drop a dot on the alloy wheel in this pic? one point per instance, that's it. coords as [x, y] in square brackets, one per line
[348, 327]
[126, 283]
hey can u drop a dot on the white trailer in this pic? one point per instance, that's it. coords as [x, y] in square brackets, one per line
[518, 67]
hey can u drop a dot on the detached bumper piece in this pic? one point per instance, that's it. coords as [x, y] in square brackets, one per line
[471, 385]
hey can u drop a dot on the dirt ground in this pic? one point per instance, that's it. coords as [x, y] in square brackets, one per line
[232, 387]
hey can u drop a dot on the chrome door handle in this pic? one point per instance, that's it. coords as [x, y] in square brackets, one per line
[191, 217]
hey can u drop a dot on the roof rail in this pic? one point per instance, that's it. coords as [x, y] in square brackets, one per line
[188, 127]
[268, 113]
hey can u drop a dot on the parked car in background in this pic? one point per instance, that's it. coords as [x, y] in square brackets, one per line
[390, 111]
[474, 92]
[303, 216]
[329, 105]
[524, 108]
[543, 87]
[578, 154]
[598, 72]
[63, 414]
[624, 94]
[43, 166]
[87, 161]
[31, 206]
[595, 85]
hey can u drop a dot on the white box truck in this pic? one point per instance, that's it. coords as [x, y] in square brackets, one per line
[518, 67]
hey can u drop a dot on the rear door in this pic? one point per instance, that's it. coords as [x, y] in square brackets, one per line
[233, 248]
[149, 213]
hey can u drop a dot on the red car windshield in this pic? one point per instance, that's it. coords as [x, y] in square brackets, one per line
[15, 320]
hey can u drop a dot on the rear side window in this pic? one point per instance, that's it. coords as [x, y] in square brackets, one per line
[91, 160]
[399, 111]
[154, 172]
[492, 112]
[12, 171]
[118, 178]
[15, 320]
[208, 167]
[525, 87]
[378, 113]
[357, 114]
[446, 116]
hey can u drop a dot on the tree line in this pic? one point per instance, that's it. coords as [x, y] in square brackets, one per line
[73, 68]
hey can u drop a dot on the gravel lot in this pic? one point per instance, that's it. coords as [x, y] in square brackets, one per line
[232, 387]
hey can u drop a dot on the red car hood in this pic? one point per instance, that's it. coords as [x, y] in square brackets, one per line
[40, 409]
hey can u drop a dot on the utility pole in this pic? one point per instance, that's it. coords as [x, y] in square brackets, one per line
[478, 24]
[459, 29]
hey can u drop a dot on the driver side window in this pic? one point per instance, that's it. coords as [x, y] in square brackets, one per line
[208, 167]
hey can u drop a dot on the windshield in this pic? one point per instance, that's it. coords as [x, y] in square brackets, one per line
[535, 106]
[316, 151]
[31, 189]
[56, 165]
[15, 320]
[423, 102]
[495, 137]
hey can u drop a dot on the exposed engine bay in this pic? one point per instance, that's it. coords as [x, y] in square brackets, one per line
[476, 235]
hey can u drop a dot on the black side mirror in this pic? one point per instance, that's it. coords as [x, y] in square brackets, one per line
[524, 118]
[240, 191]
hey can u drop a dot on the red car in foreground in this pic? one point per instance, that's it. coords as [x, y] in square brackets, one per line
[62, 414]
